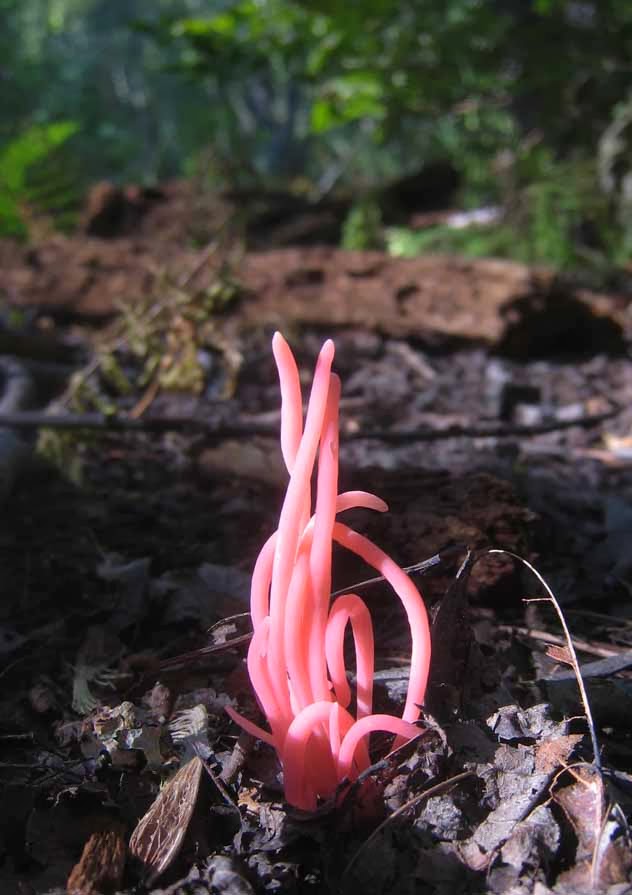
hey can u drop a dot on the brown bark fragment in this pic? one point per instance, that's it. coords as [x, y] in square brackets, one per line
[100, 869]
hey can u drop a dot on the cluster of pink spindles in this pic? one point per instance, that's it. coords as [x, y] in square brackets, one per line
[296, 656]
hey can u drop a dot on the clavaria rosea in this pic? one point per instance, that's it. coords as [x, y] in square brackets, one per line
[296, 656]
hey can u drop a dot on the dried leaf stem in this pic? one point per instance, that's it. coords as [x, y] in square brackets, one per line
[550, 598]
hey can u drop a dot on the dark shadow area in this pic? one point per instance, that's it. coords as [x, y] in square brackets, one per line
[555, 324]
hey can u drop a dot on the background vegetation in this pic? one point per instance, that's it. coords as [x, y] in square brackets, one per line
[530, 101]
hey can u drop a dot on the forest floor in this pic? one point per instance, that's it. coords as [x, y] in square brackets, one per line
[489, 404]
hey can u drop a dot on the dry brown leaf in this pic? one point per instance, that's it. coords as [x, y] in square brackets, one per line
[553, 752]
[559, 654]
[584, 804]
[159, 835]
[602, 859]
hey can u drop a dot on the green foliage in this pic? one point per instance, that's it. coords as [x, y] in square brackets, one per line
[548, 204]
[26, 175]
[30, 147]
[161, 343]
[362, 228]
[63, 450]
[352, 94]
[551, 201]
[473, 242]
[299, 87]
[156, 346]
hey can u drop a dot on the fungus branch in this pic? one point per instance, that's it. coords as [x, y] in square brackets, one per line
[296, 656]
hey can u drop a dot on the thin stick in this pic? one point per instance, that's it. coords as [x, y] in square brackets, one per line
[550, 598]
[176, 663]
[419, 568]
[606, 652]
[35, 419]
[115, 423]
[494, 431]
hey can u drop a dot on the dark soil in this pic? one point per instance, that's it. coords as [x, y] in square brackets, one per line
[489, 404]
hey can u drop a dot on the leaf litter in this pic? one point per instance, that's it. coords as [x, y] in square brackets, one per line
[479, 804]
[503, 794]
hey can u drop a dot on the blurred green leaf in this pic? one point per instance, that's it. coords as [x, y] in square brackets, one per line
[18, 158]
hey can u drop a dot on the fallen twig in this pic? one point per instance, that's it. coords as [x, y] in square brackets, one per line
[494, 431]
[418, 568]
[221, 430]
[585, 646]
[116, 423]
[177, 663]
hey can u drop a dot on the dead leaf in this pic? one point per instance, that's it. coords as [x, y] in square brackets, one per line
[189, 731]
[584, 804]
[519, 780]
[603, 858]
[553, 752]
[159, 835]
[559, 654]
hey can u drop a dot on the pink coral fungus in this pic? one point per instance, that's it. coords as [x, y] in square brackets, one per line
[296, 656]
